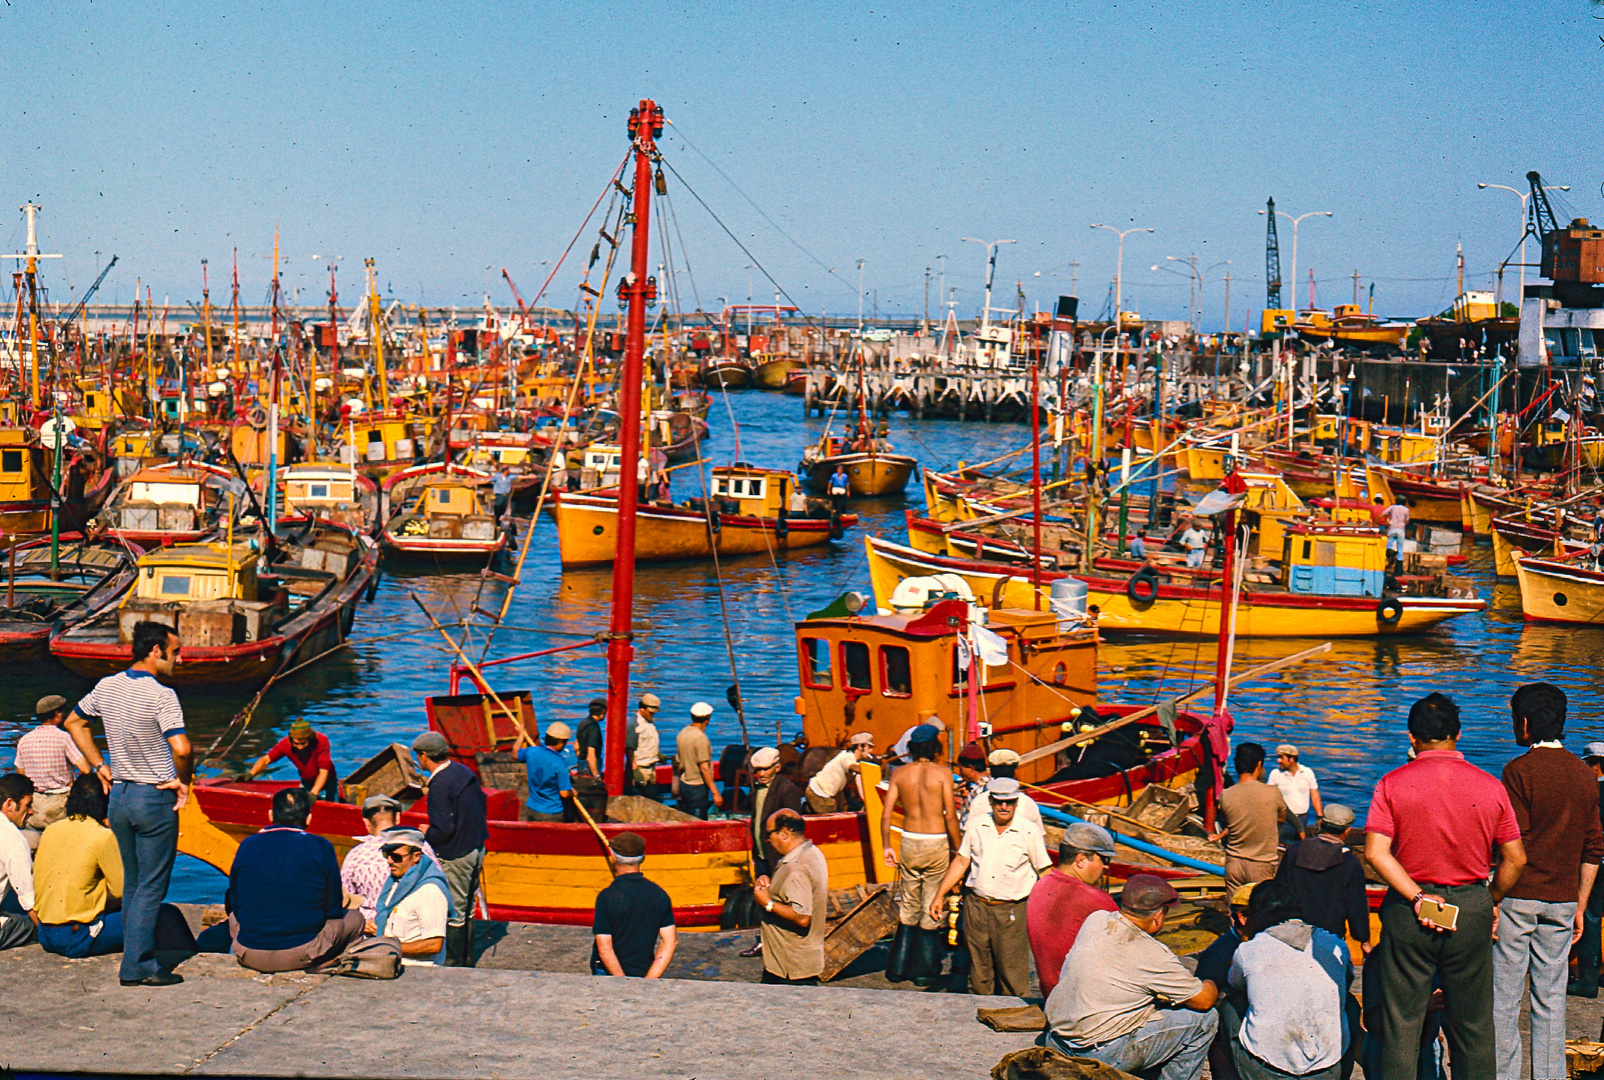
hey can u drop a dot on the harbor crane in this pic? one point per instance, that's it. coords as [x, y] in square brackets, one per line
[1272, 260]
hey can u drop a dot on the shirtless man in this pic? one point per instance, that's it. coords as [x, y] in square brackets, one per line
[929, 836]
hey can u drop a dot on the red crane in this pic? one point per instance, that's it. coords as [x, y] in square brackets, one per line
[523, 312]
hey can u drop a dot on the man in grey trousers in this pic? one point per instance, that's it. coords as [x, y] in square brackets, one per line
[1555, 798]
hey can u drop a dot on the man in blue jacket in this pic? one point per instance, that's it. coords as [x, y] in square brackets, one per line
[287, 911]
[457, 832]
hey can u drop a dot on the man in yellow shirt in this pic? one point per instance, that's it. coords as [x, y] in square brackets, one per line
[78, 883]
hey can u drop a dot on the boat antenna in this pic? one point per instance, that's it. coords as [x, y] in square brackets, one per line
[636, 290]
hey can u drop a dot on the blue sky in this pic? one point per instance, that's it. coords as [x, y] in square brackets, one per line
[445, 139]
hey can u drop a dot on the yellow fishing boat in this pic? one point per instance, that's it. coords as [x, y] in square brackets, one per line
[1566, 589]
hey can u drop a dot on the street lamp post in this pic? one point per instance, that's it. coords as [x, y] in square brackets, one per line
[991, 270]
[1295, 220]
[1119, 271]
[860, 299]
[1523, 196]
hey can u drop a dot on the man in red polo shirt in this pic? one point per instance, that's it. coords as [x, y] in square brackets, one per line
[1062, 898]
[1431, 831]
[308, 750]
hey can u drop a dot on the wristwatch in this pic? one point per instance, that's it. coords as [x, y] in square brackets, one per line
[1417, 898]
[769, 906]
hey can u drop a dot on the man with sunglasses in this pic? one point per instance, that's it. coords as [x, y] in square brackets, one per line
[1062, 898]
[147, 777]
[794, 904]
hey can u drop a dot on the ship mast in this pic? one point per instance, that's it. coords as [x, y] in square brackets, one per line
[636, 291]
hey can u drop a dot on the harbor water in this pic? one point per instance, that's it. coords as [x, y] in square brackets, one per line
[1345, 710]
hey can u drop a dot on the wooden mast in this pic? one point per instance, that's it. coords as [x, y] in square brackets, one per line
[636, 290]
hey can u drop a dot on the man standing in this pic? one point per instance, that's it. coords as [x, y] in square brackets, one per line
[838, 488]
[308, 750]
[287, 910]
[1430, 834]
[501, 490]
[365, 871]
[1587, 961]
[48, 757]
[634, 920]
[457, 832]
[1003, 856]
[588, 740]
[1125, 999]
[772, 791]
[695, 764]
[828, 790]
[19, 925]
[975, 774]
[1397, 518]
[1196, 543]
[1062, 898]
[148, 780]
[1328, 879]
[646, 748]
[1250, 813]
[793, 904]
[1555, 798]
[547, 772]
[1299, 789]
[929, 836]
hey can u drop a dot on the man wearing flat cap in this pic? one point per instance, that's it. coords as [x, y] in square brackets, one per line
[923, 790]
[48, 757]
[831, 789]
[588, 740]
[457, 832]
[364, 871]
[1328, 879]
[414, 907]
[1002, 856]
[1126, 999]
[634, 921]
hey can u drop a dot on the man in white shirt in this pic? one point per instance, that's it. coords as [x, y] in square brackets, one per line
[18, 923]
[825, 792]
[1196, 542]
[1397, 518]
[415, 905]
[1299, 789]
[1002, 855]
[1003, 762]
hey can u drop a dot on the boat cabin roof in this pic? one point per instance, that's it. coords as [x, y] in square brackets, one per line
[208, 556]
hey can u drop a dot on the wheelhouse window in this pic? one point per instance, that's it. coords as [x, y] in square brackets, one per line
[175, 585]
[816, 660]
[855, 665]
[11, 461]
[896, 673]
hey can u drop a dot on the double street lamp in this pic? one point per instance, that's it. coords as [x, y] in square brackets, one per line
[1119, 266]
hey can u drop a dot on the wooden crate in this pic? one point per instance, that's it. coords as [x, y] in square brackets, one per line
[210, 624]
[872, 919]
[389, 772]
[136, 611]
[1160, 808]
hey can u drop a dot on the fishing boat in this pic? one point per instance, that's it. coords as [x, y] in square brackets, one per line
[328, 491]
[440, 511]
[726, 372]
[383, 441]
[25, 487]
[1539, 533]
[772, 372]
[1561, 589]
[1332, 583]
[242, 615]
[1348, 325]
[753, 511]
[873, 467]
[51, 588]
[172, 503]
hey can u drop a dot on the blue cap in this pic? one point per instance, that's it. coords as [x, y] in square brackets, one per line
[924, 733]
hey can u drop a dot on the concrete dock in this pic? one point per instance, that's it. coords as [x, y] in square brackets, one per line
[507, 1018]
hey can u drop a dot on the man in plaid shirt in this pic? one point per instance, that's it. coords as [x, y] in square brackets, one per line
[48, 757]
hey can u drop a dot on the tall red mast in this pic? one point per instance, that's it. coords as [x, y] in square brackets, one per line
[635, 291]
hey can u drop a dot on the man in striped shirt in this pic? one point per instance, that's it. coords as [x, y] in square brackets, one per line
[148, 780]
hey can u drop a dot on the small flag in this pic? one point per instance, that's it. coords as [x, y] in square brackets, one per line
[1451, 371]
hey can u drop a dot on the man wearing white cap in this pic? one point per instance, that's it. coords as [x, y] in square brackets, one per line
[825, 793]
[1299, 789]
[1002, 856]
[644, 747]
[1001, 763]
[694, 765]
[415, 904]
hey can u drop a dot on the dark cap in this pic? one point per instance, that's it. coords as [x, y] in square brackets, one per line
[1144, 892]
[974, 754]
[628, 845]
[598, 704]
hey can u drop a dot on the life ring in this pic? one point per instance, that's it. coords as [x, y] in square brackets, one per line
[1389, 611]
[257, 418]
[1142, 588]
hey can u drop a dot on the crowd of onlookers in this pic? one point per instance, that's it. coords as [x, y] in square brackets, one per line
[1490, 884]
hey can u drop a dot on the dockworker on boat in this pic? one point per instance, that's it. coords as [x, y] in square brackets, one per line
[839, 782]
[308, 750]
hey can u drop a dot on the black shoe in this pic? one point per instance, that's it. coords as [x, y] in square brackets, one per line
[1576, 989]
[161, 978]
[755, 950]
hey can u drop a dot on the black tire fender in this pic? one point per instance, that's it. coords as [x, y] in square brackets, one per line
[1142, 588]
[1389, 611]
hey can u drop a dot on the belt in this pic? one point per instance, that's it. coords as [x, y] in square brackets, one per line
[52, 791]
[989, 900]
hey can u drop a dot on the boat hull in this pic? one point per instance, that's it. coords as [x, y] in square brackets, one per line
[587, 532]
[1176, 611]
[1558, 591]
[728, 375]
[773, 374]
[870, 475]
[430, 549]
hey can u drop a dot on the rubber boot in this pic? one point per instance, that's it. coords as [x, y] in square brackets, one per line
[459, 945]
[925, 967]
[897, 958]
